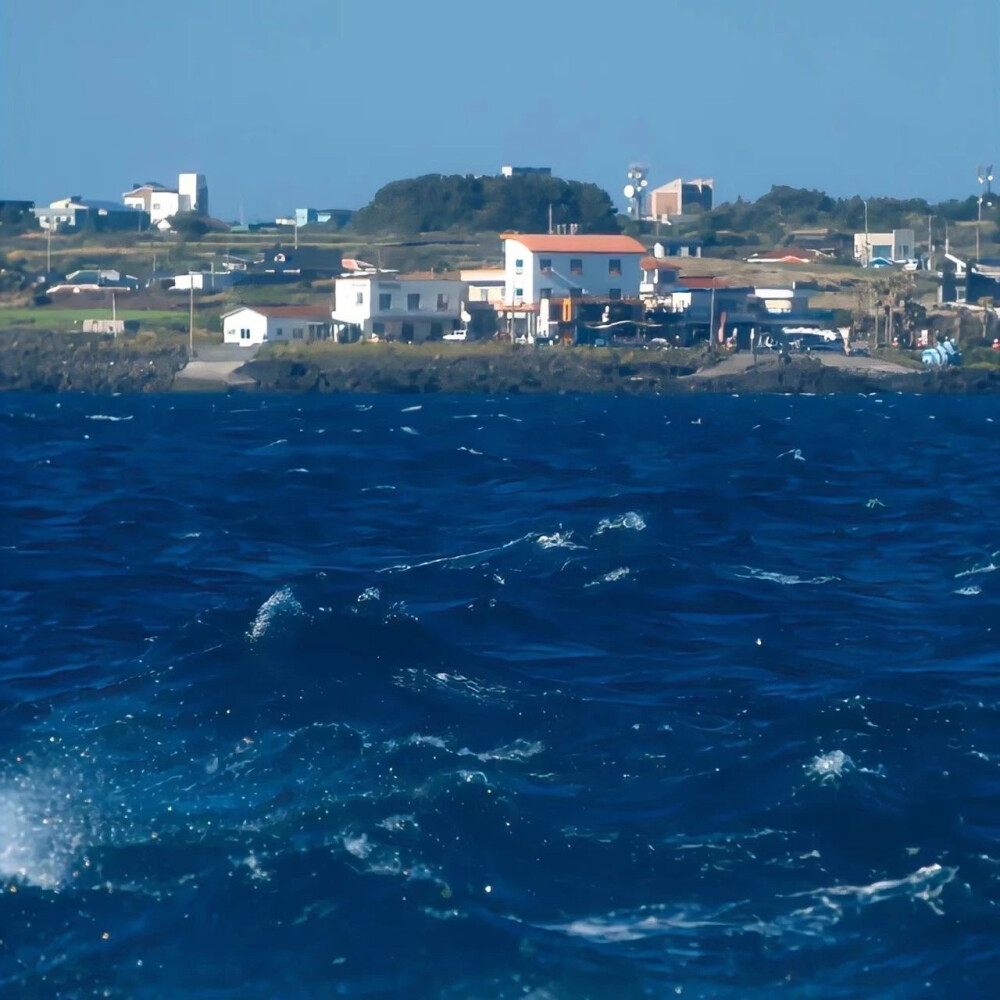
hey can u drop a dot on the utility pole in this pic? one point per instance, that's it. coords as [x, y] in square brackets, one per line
[930, 246]
[190, 314]
[48, 248]
[868, 246]
[711, 322]
[550, 218]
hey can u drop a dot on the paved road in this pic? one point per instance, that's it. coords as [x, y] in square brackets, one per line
[218, 363]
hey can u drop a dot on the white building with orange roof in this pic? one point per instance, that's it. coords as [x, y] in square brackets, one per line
[561, 266]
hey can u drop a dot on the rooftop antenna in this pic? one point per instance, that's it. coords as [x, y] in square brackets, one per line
[635, 189]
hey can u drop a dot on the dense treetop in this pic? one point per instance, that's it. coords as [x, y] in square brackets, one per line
[438, 202]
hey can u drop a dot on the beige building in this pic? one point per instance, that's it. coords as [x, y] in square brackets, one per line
[485, 283]
[900, 244]
[680, 197]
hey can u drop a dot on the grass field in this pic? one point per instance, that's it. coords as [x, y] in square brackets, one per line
[68, 318]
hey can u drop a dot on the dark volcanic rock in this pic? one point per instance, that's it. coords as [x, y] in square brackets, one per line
[40, 361]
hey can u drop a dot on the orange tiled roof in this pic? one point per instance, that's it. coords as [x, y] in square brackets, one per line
[545, 243]
[658, 264]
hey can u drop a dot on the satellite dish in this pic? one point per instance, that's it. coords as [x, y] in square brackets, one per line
[644, 182]
[629, 191]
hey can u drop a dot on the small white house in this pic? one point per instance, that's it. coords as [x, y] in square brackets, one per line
[897, 245]
[560, 266]
[397, 307]
[251, 325]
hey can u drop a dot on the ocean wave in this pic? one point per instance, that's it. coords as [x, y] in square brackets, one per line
[786, 579]
[281, 606]
[108, 416]
[630, 521]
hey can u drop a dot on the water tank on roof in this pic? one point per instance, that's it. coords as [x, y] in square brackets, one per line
[659, 250]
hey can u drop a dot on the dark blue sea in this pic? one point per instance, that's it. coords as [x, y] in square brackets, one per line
[465, 697]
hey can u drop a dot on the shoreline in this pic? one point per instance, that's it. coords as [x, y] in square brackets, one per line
[47, 362]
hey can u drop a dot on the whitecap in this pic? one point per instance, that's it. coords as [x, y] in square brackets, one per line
[558, 540]
[369, 594]
[446, 560]
[106, 416]
[788, 580]
[471, 451]
[830, 767]
[282, 603]
[796, 453]
[630, 521]
[988, 568]
[411, 409]
[616, 574]
[969, 591]
[274, 444]
[409, 430]
[520, 749]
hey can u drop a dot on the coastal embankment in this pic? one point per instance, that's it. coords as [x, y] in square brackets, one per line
[38, 361]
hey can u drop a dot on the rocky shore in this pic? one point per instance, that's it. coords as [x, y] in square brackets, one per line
[48, 362]
[39, 361]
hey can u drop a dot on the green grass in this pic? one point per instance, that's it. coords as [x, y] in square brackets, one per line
[44, 316]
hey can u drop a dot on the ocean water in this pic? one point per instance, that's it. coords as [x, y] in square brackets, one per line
[459, 697]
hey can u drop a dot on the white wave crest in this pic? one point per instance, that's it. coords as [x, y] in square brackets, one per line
[409, 430]
[786, 579]
[281, 604]
[44, 826]
[616, 574]
[988, 568]
[830, 767]
[107, 416]
[969, 591]
[630, 521]
[558, 540]
[520, 749]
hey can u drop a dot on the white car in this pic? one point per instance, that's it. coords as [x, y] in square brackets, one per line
[456, 335]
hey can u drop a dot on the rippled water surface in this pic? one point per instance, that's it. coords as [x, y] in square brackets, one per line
[484, 698]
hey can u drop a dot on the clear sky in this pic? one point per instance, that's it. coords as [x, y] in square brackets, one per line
[286, 103]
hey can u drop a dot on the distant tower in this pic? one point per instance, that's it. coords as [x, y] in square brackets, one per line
[635, 190]
[193, 191]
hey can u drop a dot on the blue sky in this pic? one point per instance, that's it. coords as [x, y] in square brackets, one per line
[320, 102]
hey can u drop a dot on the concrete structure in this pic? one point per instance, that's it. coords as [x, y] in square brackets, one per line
[95, 280]
[680, 197]
[486, 284]
[540, 266]
[659, 280]
[311, 216]
[897, 245]
[205, 281]
[77, 213]
[248, 326]
[783, 300]
[396, 307]
[161, 202]
[508, 171]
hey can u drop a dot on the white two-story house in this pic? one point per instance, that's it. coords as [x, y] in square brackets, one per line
[397, 307]
[563, 266]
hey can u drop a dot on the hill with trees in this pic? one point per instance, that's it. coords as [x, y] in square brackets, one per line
[437, 202]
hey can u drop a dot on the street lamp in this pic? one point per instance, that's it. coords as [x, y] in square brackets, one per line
[868, 246]
[985, 176]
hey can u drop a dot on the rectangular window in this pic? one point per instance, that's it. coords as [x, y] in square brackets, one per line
[614, 266]
[614, 294]
[359, 299]
[297, 333]
[244, 334]
[484, 295]
[576, 265]
[279, 332]
[436, 330]
[413, 302]
[518, 266]
[518, 293]
[384, 301]
[545, 293]
[545, 263]
[442, 302]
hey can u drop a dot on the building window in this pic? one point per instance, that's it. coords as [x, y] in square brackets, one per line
[279, 332]
[297, 333]
[359, 298]
[442, 302]
[615, 294]
[545, 263]
[244, 334]
[384, 301]
[518, 293]
[413, 301]
[545, 293]
[614, 266]
[576, 265]
[484, 295]
[436, 330]
[518, 266]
